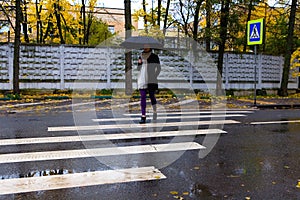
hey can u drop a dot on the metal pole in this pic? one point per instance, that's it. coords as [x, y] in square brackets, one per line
[255, 72]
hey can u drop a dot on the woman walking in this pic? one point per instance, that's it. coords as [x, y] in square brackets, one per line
[149, 69]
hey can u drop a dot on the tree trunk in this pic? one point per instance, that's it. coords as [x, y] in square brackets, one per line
[58, 21]
[84, 22]
[246, 29]
[88, 27]
[49, 30]
[158, 12]
[24, 22]
[145, 16]
[196, 20]
[185, 17]
[289, 49]
[38, 22]
[128, 61]
[16, 61]
[208, 25]
[223, 36]
[39, 25]
[166, 17]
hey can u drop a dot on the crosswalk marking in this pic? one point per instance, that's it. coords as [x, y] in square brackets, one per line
[188, 101]
[147, 125]
[275, 122]
[43, 183]
[119, 136]
[21, 185]
[170, 117]
[194, 112]
[96, 152]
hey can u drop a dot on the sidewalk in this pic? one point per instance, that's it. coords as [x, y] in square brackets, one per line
[270, 102]
[63, 104]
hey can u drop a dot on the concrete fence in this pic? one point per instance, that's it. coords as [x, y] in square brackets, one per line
[67, 67]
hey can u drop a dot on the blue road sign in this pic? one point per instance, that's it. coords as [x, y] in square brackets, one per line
[255, 32]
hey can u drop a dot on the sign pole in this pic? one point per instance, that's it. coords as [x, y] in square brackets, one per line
[255, 36]
[255, 72]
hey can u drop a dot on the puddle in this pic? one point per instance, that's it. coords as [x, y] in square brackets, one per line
[200, 191]
[51, 172]
[239, 171]
[47, 173]
[37, 173]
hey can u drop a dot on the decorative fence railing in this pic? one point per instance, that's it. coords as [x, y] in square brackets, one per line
[64, 67]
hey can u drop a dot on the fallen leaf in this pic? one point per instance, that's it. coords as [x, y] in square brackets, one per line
[233, 176]
[173, 192]
[178, 197]
[185, 193]
[298, 184]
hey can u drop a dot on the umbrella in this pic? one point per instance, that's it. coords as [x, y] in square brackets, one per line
[139, 42]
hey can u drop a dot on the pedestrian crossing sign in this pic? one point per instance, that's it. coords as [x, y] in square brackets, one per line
[255, 32]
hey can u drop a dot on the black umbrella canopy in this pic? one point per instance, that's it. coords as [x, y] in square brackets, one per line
[139, 42]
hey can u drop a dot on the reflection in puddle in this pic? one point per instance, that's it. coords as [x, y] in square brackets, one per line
[239, 171]
[36, 173]
[47, 173]
[202, 191]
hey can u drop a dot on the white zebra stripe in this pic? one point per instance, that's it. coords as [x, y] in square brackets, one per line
[169, 117]
[147, 125]
[32, 184]
[195, 112]
[109, 151]
[119, 136]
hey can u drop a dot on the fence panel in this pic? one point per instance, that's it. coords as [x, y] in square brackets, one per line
[58, 67]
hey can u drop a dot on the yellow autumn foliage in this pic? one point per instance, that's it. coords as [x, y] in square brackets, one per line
[295, 63]
[70, 19]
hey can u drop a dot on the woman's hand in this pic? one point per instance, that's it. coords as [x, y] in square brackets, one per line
[140, 61]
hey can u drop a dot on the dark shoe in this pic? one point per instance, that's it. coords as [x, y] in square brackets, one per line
[154, 116]
[143, 120]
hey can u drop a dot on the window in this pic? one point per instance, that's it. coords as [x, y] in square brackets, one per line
[111, 29]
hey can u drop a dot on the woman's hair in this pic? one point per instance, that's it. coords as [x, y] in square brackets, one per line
[150, 49]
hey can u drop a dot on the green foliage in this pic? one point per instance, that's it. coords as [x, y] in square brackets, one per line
[13, 96]
[104, 92]
[99, 32]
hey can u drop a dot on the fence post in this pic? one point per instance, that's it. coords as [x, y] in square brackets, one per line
[281, 70]
[191, 75]
[62, 70]
[191, 67]
[10, 64]
[226, 71]
[108, 70]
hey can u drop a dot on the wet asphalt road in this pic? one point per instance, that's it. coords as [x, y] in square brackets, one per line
[249, 162]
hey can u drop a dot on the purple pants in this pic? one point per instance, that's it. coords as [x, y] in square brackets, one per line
[143, 93]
